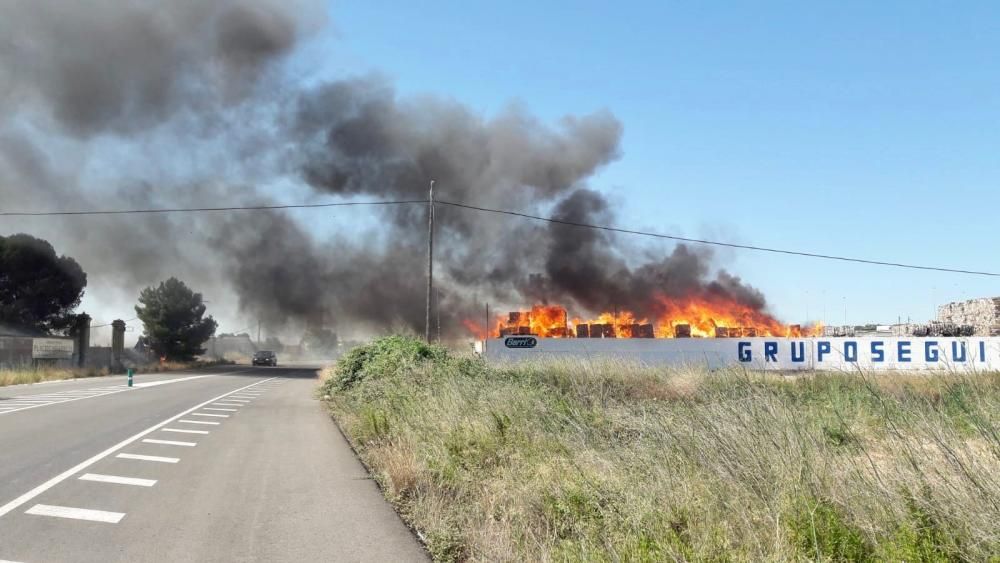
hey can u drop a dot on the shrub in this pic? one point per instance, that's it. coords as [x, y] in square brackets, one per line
[383, 357]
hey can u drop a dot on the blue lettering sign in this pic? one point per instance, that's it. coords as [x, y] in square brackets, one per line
[903, 351]
[878, 351]
[851, 351]
[822, 349]
[770, 351]
[798, 352]
[744, 351]
[982, 350]
[957, 347]
[931, 351]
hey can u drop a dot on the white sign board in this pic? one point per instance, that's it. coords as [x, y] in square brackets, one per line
[837, 354]
[51, 349]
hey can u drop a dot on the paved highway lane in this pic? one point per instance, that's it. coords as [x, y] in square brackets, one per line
[241, 465]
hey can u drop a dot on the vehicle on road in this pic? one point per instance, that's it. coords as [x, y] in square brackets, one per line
[265, 358]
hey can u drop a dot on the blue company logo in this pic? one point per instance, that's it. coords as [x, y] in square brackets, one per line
[520, 342]
[929, 351]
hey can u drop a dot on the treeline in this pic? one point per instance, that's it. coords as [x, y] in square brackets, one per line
[40, 292]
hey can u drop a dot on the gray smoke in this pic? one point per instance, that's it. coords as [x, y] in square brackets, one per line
[194, 93]
[123, 65]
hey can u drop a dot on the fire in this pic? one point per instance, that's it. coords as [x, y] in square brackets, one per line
[705, 316]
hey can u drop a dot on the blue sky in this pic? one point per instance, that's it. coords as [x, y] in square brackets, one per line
[852, 128]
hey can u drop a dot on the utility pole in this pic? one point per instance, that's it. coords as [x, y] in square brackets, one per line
[430, 261]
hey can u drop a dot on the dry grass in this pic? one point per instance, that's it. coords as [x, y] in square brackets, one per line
[38, 375]
[606, 462]
[21, 376]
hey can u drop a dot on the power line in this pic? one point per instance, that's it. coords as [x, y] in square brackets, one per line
[717, 243]
[203, 209]
[509, 213]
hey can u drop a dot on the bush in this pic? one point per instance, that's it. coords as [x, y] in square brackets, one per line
[383, 357]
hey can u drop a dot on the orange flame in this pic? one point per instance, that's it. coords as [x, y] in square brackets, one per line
[705, 316]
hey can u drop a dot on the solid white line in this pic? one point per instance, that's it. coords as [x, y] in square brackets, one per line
[200, 422]
[210, 414]
[161, 459]
[229, 404]
[185, 431]
[76, 513]
[239, 400]
[118, 480]
[81, 466]
[226, 410]
[170, 442]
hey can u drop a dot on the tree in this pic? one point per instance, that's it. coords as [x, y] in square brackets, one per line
[38, 289]
[172, 318]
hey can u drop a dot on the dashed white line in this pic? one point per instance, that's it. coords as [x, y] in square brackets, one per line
[85, 464]
[199, 422]
[182, 431]
[76, 513]
[170, 443]
[158, 458]
[118, 480]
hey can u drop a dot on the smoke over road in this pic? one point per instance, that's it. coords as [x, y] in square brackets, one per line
[129, 104]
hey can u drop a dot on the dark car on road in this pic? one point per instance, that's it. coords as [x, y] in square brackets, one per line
[265, 358]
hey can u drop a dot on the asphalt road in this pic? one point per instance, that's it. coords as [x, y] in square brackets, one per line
[230, 464]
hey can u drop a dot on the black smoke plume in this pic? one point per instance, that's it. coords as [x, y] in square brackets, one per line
[197, 97]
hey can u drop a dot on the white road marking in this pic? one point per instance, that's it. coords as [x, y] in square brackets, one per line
[239, 400]
[166, 381]
[160, 459]
[76, 513]
[85, 464]
[118, 480]
[170, 442]
[225, 410]
[200, 422]
[229, 404]
[7, 561]
[210, 414]
[35, 401]
[182, 431]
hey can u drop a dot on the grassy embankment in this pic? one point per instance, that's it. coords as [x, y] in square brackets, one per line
[618, 463]
[38, 375]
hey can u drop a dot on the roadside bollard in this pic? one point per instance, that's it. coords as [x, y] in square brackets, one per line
[129, 377]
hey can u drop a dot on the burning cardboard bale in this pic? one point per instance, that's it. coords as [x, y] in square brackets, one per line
[682, 331]
[721, 332]
[583, 331]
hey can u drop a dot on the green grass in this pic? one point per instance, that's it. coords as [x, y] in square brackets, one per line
[612, 462]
